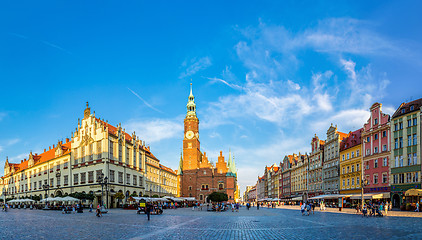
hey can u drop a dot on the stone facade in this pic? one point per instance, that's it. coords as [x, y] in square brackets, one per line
[316, 162]
[351, 163]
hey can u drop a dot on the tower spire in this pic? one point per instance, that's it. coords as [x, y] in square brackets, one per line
[191, 106]
[180, 169]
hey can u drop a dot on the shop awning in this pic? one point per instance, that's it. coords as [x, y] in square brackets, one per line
[413, 192]
[297, 199]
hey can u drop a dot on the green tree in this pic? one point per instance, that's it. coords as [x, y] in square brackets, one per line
[218, 197]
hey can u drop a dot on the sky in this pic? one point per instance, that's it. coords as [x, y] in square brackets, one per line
[266, 76]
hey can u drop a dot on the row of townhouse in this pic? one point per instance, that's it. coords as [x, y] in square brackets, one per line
[384, 156]
[96, 152]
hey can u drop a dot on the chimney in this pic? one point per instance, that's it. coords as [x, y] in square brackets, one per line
[44, 149]
[49, 147]
[53, 145]
[67, 140]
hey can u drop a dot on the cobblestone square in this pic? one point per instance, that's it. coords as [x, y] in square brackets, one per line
[187, 224]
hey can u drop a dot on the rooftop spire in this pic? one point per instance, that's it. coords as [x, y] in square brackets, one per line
[191, 106]
[179, 170]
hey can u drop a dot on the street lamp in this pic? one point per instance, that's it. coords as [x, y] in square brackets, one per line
[58, 174]
[103, 182]
[46, 187]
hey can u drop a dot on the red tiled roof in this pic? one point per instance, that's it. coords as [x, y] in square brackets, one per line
[352, 140]
[167, 169]
[406, 106]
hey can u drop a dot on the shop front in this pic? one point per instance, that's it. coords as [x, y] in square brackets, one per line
[398, 197]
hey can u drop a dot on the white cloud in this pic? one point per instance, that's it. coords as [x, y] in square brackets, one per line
[145, 102]
[346, 120]
[156, 130]
[215, 80]
[8, 143]
[293, 85]
[19, 157]
[195, 66]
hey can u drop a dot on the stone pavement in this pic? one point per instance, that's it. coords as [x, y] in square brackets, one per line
[187, 224]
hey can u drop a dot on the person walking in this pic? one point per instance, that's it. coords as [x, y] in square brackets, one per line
[148, 210]
[387, 205]
[313, 208]
[90, 207]
[302, 209]
[257, 206]
[417, 207]
[98, 211]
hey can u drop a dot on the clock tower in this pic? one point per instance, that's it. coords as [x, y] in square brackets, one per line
[191, 146]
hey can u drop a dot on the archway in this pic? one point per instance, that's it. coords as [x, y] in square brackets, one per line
[58, 193]
[396, 201]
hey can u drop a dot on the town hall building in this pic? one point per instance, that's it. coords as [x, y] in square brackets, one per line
[197, 176]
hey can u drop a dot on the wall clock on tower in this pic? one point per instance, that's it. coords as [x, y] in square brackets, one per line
[189, 134]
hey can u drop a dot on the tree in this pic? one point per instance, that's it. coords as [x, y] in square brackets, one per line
[218, 197]
[155, 196]
[36, 198]
[119, 196]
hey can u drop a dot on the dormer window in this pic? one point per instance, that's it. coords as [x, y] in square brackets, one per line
[403, 110]
[411, 108]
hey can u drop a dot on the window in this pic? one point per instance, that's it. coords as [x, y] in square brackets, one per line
[99, 149]
[368, 139]
[343, 157]
[91, 176]
[65, 165]
[120, 152]
[375, 178]
[353, 168]
[415, 177]
[384, 147]
[134, 180]
[90, 152]
[415, 122]
[409, 122]
[415, 139]
[376, 136]
[408, 177]
[353, 181]
[348, 168]
[396, 143]
[415, 159]
[395, 179]
[409, 159]
[110, 144]
[344, 181]
[357, 167]
[357, 181]
[348, 182]
[343, 171]
[35, 185]
[384, 178]
[400, 142]
[347, 156]
[140, 181]
[409, 140]
[353, 154]
[127, 178]
[111, 175]
[190, 188]
[83, 177]
[384, 133]
[75, 178]
[82, 154]
[99, 173]
[396, 162]
[376, 121]
[401, 161]
[376, 150]
[395, 127]
[384, 162]
[66, 180]
[367, 166]
[411, 108]
[400, 125]
[401, 178]
[375, 163]
[120, 177]
[368, 151]
[220, 186]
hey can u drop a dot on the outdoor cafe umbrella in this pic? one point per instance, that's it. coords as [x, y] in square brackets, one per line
[70, 199]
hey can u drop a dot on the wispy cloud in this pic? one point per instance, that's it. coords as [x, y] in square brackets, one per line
[216, 80]
[156, 130]
[195, 66]
[145, 102]
[47, 43]
[7, 143]
[56, 46]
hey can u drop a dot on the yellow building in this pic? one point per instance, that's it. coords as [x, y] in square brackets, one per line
[351, 163]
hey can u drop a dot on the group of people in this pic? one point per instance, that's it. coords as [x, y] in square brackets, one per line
[374, 208]
[307, 208]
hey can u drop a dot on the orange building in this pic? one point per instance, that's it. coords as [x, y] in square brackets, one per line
[197, 176]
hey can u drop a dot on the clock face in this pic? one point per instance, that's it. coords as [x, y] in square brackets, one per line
[189, 134]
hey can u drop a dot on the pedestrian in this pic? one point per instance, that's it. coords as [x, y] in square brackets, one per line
[257, 206]
[417, 207]
[364, 210]
[387, 205]
[302, 209]
[313, 208]
[237, 207]
[148, 210]
[90, 207]
[98, 211]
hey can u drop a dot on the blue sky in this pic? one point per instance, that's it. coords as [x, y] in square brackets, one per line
[266, 76]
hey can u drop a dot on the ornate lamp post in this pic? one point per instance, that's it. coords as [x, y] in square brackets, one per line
[58, 174]
[103, 182]
[46, 187]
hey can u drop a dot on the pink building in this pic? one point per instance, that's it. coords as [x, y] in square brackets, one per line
[376, 147]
